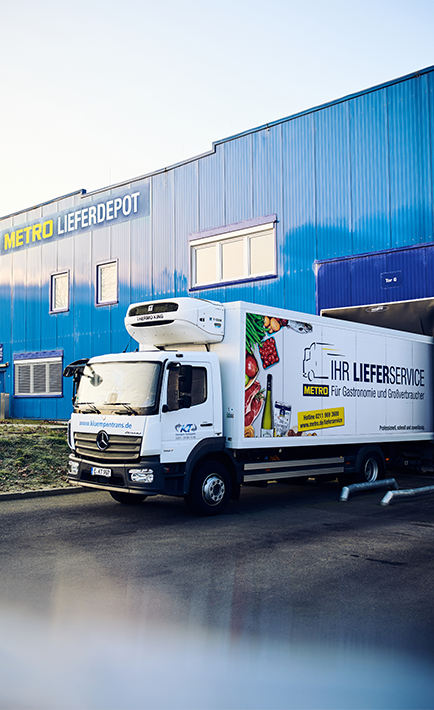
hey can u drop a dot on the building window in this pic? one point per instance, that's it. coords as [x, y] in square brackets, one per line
[59, 292]
[107, 283]
[243, 254]
[38, 374]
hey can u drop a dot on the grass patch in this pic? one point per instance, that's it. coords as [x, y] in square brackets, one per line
[32, 456]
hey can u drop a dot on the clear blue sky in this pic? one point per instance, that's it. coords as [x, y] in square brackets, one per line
[99, 91]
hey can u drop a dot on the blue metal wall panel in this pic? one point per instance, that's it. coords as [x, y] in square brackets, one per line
[429, 270]
[6, 323]
[101, 315]
[365, 281]
[121, 251]
[212, 190]
[47, 323]
[393, 275]
[238, 180]
[186, 201]
[34, 293]
[82, 295]
[163, 229]
[297, 228]
[268, 199]
[410, 170]
[63, 321]
[333, 286]
[141, 260]
[333, 182]
[19, 301]
[430, 78]
[267, 171]
[369, 172]
[409, 265]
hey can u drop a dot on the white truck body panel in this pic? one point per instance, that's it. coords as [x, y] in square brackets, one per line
[342, 382]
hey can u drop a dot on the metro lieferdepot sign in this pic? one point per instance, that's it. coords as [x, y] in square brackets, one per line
[119, 207]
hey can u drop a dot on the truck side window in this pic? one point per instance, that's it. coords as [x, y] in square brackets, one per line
[198, 386]
[178, 395]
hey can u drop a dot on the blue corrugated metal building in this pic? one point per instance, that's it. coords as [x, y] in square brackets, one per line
[260, 217]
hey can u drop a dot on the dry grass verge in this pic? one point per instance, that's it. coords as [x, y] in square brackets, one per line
[33, 455]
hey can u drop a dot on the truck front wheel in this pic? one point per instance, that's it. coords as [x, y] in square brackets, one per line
[210, 489]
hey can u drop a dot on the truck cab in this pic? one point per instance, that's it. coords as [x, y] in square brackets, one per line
[141, 421]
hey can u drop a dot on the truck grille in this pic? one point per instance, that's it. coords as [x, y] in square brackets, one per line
[120, 448]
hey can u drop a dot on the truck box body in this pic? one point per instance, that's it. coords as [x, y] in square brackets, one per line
[336, 381]
[220, 395]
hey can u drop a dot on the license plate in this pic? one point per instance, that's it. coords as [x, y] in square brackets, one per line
[95, 471]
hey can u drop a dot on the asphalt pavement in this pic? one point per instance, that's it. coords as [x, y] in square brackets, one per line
[291, 599]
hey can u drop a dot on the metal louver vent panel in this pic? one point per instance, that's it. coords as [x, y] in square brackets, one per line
[38, 377]
[22, 376]
[120, 448]
[54, 377]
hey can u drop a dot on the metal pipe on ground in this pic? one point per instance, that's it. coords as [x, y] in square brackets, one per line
[361, 487]
[409, 493]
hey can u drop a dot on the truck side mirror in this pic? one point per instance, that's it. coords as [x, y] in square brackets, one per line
[185, 379]
[75, 370]
[185, 384]
[185, 401]
[179, 387]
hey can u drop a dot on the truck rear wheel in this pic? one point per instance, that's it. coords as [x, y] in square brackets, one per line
[210, 489]
[371, 468]
[127, 498]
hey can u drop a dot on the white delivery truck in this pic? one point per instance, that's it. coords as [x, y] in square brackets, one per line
[223, 395]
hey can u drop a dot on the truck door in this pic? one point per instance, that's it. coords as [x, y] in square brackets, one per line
[187, 414]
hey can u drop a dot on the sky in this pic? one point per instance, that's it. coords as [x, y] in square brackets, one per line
[97, 92]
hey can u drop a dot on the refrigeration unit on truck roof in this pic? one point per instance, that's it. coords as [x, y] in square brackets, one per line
[176, 322]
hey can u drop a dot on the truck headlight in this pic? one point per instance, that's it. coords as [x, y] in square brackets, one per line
[141, 475]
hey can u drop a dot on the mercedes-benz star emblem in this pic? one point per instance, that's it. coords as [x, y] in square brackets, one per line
[102, 440]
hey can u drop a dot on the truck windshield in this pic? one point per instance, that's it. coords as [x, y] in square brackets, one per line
[118, 388]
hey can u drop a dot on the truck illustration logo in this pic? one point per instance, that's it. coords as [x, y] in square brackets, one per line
[313, 363]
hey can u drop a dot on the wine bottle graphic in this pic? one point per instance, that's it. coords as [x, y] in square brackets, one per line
[267, 414]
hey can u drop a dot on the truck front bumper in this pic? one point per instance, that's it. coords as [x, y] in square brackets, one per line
[146, 477]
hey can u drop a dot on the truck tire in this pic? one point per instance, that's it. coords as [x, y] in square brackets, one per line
[371, 468]
[127, 498]
[210, 489]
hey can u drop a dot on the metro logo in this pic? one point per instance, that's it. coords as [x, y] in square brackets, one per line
[315, 390]
[22, 236]
[85, 217]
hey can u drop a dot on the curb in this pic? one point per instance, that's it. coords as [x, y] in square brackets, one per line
[43, 493]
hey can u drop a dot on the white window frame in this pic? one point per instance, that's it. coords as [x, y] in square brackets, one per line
[54, 276]
[99, 267]
[219, 240]
[35, 363]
